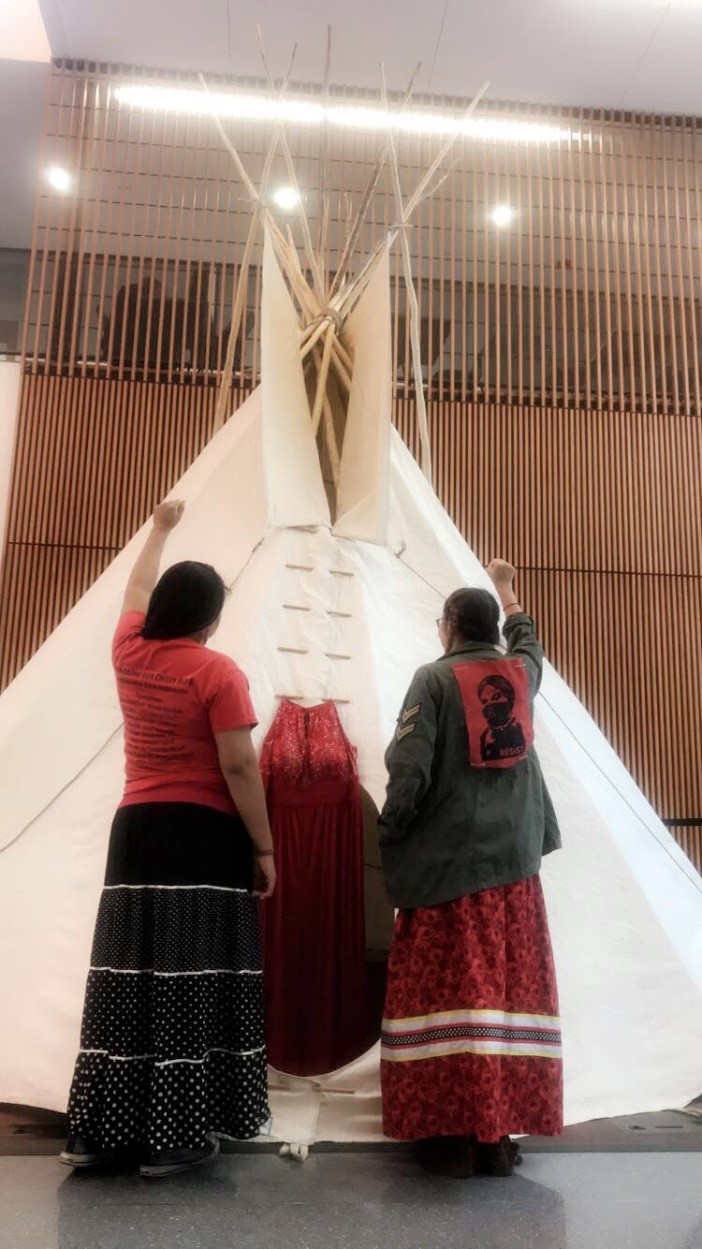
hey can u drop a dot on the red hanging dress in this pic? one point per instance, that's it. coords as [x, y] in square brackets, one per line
[313, 926]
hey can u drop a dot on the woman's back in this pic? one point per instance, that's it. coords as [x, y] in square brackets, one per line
[175, 694]
[467, 808]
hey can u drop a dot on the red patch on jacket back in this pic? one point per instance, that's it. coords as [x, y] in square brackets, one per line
[495, 696]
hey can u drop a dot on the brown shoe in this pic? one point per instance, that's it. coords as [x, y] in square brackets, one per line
[497, 1160]
[453, 1156]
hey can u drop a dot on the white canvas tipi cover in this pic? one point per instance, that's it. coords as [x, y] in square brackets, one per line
[624, 904]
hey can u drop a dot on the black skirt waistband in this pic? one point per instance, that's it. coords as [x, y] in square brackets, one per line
[178, 843]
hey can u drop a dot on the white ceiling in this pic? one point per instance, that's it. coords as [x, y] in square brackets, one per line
[23, 34]
[632, 54]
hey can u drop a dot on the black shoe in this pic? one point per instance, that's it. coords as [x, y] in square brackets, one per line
[497, 1160]
[171, 1161]
[453, 1156]
[81, 1153]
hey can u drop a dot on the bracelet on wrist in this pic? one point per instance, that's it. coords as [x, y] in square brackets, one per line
[265, 854]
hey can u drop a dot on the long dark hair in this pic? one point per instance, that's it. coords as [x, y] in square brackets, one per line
[188, 598]
[473, 616]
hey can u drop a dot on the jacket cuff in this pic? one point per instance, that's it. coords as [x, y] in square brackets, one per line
[518, 618]
[389, 834]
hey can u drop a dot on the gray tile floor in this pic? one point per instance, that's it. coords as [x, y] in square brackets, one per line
[359, 1201]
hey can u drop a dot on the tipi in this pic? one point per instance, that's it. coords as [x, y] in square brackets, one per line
[334, 595]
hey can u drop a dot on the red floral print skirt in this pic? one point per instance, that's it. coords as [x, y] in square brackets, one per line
[471, 1041]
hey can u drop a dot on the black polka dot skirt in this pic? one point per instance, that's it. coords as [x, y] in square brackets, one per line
[172, 1041]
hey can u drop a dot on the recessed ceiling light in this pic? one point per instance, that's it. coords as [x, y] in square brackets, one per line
[287, 198]
[263, 108]
[58, 178]
[502, 215]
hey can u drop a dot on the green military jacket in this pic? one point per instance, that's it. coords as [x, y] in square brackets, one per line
[448, 828]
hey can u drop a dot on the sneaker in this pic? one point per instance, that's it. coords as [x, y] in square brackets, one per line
[171, 1161]
[80, 1153]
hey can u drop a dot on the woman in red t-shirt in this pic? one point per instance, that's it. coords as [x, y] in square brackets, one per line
[172, 1043]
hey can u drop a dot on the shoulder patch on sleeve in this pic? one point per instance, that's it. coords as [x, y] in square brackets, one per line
[411, 712]
[404, 732]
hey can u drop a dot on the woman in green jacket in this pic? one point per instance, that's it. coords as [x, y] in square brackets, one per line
[471, 1045]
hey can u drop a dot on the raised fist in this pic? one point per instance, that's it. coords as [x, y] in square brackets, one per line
[167, 515]
[500, 572]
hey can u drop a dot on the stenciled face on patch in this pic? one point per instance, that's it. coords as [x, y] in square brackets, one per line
[497, 697]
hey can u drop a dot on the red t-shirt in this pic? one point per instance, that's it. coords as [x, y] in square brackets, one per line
[175, 695]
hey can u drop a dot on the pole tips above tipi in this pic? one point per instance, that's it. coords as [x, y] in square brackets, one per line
[325, 299]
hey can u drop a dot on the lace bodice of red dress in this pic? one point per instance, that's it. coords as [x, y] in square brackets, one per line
[307, 748]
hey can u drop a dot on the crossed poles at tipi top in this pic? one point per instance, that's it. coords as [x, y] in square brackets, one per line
[323, 305]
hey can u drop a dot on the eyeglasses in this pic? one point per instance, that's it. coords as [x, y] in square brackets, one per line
[439, 621]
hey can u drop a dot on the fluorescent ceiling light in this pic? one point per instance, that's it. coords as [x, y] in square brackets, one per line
[502, 215]
[58, 178]
[248, 107]
[287, 198]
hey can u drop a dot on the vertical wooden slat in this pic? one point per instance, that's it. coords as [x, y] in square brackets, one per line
[131, 163]
[627, 167]
[430, 301]
[639, 240]
[542, 396]
[511, 199]
[552, 286]
[563, 256]
[476, 268]
[141, 314]
[654, 231]
[605, 174]
[96, 163]
[654, 376]
[497, 235]
[531, 275]
[679, 156]
[690, 212]
[619, 398]
[463, 285]
[585, 165]
[487, 253]
[520, 204]
[191, 184]
[453, 311]
[669, 304]
[597, 252]
[442, 285]
[574, 185]
[108, 277]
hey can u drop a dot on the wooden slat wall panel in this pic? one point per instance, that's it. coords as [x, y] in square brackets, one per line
[562, 372]
[94, 457]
